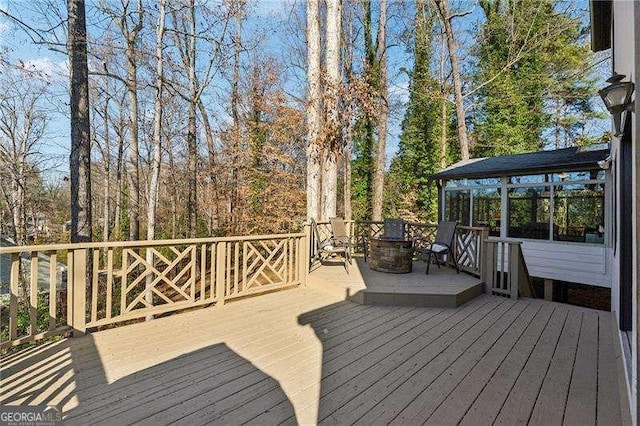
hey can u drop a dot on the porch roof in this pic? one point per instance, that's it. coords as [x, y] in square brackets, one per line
[566, 159]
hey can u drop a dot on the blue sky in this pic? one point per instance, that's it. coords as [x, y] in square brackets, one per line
[271, 21]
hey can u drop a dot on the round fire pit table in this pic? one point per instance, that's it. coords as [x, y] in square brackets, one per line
[393, 256]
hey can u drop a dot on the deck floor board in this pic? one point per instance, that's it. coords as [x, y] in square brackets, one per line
[501, 335]
[301, 356]
[490, 372]
[583, 391]
[402, 385]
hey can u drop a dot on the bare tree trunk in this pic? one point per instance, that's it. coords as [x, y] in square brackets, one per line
[333, 137]
[443, 111]
[106, 213]
[370, 76]
[234, 214]
[443, 132]
[313, 109]
[20, 214]
[18, 207]
[157, 149]
[348, 210]
[119, 181]
[192, 204]
[329, 184]
[18, 183]
[211, 151]
[80, 158]
[173, 194]
[134, 173]
[349, 108]
[445, 17]
[131, 36]
[383, 114]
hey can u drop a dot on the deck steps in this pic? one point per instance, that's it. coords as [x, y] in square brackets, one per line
[442, 288]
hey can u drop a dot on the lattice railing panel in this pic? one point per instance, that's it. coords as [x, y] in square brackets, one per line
[467, 245]
[364, 231]
[266, 263]
[158, 278]
[423, 231]
[100, 284]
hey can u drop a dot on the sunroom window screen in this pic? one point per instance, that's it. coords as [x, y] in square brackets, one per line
[560, 206]
[579, 213]
[529, 212]
[486, 209]
[457, 206]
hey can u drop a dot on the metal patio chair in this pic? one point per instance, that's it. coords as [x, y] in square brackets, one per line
[325, 248]
[442, 245]
[393, 229]
[339, 235]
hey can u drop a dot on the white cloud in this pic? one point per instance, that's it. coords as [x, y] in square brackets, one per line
[46, 69]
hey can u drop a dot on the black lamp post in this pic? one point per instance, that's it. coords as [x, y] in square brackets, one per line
[617, 98]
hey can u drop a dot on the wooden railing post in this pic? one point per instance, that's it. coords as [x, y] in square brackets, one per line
[482, 251]
[33, 294]
[304, 255]
[13, 298]
[489, 266]
[503, 253]
[79, 302]
[70, 288]
[221, 253]
[53, 281]
[514, 270]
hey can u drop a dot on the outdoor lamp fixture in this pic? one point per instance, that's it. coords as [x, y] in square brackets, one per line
[617, 99]
[606, 163]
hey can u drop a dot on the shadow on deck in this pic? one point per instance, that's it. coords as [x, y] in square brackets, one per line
[304, 357]
[441, 288]
[207, 384]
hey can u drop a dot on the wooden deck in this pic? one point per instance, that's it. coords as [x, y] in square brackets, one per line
[441, 288]
[299, 356]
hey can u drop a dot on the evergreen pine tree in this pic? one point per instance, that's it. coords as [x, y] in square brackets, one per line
[418, 151]
[531, 77]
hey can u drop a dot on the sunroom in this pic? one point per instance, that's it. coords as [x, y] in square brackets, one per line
[557, 202]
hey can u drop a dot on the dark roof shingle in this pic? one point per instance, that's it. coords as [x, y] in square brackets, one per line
[566, 159]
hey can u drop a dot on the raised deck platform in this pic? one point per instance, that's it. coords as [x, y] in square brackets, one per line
[301, 357]
[441, 288]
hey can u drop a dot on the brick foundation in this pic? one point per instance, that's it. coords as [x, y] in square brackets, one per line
[587, 296]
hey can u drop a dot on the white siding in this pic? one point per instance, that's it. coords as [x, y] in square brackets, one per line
[578, 263]
[626, 57]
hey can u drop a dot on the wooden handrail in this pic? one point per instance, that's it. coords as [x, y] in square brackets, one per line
[505, 272]
[140, 243]
[473, 228]
[469, 243]
[115, 282]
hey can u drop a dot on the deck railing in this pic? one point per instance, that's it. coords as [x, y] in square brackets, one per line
[468, 247]
[106, 283]
[54, 289]
[506, 272]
